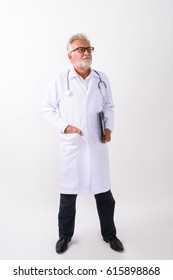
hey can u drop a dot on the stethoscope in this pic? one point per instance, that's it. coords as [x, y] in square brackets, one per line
[100, 83]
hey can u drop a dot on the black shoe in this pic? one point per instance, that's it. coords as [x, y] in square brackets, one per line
[115, 243]
[62, 245]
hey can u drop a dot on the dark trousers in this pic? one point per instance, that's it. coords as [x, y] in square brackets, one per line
[67, 210]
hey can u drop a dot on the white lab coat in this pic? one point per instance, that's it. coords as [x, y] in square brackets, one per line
[83, 160]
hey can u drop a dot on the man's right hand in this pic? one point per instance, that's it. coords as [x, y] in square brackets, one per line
[72, 129]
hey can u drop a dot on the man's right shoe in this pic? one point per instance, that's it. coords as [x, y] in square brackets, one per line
[62, 245]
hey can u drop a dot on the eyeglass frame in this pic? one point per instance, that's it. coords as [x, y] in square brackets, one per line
[77, 49]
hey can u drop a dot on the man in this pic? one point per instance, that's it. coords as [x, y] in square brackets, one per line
[73, 103]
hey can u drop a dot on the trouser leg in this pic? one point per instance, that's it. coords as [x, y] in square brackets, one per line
[66, 216]
[105, 207]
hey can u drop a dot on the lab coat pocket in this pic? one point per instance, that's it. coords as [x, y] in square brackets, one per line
[70, 138]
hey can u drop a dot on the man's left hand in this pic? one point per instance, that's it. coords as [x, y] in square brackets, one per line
[107, 137]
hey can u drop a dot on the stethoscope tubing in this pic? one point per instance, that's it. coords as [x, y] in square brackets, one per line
[99, 83]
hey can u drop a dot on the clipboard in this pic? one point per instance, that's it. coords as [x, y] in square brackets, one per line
[102, 123]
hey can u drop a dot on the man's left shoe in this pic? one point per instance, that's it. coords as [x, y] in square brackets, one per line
[115, 243]
[62, 245]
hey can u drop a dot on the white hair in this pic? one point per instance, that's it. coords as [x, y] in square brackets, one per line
[78, 36]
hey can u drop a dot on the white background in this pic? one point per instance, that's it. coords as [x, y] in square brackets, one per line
[133, 45]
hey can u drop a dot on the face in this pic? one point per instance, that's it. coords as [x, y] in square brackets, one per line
[79, 60]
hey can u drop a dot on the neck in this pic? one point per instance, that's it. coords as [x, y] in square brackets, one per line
[83, 72]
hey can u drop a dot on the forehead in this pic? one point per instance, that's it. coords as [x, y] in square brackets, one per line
[80, 43]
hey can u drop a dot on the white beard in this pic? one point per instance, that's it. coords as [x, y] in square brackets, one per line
[84, 64]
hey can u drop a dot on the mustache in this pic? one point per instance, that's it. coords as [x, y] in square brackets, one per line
[86, 57]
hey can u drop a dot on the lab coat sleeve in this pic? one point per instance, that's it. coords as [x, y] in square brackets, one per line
[108, 107]
[50, 107]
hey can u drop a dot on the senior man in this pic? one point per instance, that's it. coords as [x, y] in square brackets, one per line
[73, 104]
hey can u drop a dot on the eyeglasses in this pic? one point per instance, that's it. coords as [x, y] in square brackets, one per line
[82, 49]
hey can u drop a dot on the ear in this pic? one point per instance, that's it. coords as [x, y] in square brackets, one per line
[69, 56]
